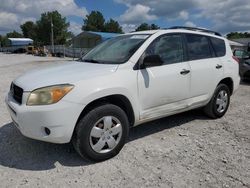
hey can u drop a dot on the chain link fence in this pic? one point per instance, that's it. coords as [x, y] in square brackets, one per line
[59, 50]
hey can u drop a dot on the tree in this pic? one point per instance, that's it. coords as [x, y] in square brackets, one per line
[14, 34]
[154, 27]
[60, 27]
[29, 29]
[113, 26]
[237, 35]
[94, 22]
[145, 26]
[3, 41]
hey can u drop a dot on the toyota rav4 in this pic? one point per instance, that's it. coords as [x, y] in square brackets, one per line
[123, 82]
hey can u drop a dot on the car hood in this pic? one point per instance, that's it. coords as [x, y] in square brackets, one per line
[69, 72]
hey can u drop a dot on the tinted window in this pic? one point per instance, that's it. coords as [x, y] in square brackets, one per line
[219, 46]
[168, 47]
[198, 47]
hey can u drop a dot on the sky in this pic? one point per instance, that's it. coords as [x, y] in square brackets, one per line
[219, 15]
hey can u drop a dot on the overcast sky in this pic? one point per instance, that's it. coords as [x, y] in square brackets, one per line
[220, 15]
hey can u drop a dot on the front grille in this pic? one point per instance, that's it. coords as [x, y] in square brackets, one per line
[16, 92]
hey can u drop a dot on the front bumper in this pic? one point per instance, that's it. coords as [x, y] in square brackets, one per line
[59, 118]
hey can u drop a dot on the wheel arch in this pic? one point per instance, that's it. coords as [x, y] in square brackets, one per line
[116, 99]
[229, 82]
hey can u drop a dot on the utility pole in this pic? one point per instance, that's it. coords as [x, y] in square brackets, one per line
[52, 36]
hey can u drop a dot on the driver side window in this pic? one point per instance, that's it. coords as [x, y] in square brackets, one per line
[168, 47]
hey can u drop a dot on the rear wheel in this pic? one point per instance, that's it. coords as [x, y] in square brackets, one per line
[101, 133]
[219, 103]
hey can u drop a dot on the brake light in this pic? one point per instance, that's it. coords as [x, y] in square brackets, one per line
[236, 59]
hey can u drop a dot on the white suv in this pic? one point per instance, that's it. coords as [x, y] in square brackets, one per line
[123, 82]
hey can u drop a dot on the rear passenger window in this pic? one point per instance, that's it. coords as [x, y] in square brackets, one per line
[198, 47]
[219, 46]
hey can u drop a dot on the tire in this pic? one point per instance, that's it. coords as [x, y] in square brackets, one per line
[98, 126]
[212, 109]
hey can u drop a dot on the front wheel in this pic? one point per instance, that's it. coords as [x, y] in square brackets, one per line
[219, 102]
[101, 133]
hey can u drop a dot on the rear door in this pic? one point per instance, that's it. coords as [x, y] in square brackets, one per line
[206, 67]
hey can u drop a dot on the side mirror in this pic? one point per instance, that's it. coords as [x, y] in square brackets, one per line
[152, 61]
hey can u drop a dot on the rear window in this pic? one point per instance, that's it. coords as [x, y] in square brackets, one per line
[219, 46]
[198, 47]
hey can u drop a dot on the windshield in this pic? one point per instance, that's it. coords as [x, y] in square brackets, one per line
[116, 50]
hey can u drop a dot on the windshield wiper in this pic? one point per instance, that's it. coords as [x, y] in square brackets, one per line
[91, 61]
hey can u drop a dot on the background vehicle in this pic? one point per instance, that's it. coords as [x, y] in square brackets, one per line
[244, 63]
[30, 49]
[123, 82]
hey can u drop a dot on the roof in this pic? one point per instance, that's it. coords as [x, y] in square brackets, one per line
[20, 41]
[181, 30]
[148, 32]
[196, 29]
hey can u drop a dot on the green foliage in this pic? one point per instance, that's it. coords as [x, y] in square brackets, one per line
[14, 34]
[94, 22]
[113, 26]
[237, 35]
[60, 27]
[40, 31]
[5, 42]
[145, 26]
[29, 30]
[1, 38]
[4, 39]
[154, 27]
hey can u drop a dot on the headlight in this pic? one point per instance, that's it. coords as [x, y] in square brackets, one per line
[48, 95]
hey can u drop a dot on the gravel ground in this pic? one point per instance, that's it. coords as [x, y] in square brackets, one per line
[185, 150]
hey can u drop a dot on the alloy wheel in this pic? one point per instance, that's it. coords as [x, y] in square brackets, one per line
[221, 101]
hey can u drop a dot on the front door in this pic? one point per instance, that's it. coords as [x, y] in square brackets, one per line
[164, 89]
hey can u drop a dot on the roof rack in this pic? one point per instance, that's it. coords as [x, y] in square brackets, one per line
[196, 29]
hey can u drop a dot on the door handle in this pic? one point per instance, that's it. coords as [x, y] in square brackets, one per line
[185, 71]
[218, 66]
